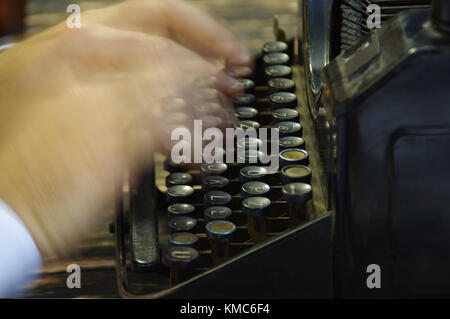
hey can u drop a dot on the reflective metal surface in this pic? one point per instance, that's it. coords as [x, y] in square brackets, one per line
[316, 49]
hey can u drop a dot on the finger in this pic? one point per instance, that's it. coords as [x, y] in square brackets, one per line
[182, 22]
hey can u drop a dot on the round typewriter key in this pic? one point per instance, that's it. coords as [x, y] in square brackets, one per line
[291, 142]
[275, 58]
[245, 113]
[277, 71]
[173, 167]
[181, 224]
[246, 124]
[180, 194]
[240, 72]
[297, 195]
[180, 209]
[283, 115]
[179, 259]
[255, 188]
[281, 85]
[252, 173]
[217, 213]
[206, 94]
[211, 121]
[213, 169]
[215, 182]
[274, 46]
[256, 208]
[178, 179]
[216, 198]
[249, 143]
[247, 85]
[289, 128]
[176, 118]
[207, 81]
[183, 239]
[250, 156]
[208, 107]
[245, 99]
[291, 156]
[220, 233]
[296, 174]
[283, 100]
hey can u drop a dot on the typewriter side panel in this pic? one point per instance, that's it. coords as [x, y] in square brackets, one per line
[393, 138]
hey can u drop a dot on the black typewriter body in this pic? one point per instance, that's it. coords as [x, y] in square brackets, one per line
[376, 125]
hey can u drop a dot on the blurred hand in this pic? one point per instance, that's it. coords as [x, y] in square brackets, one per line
[80, 106]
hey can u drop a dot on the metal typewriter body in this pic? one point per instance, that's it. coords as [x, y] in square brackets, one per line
[378, 142]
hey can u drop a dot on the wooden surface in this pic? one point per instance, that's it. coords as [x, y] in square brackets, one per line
[251, 20]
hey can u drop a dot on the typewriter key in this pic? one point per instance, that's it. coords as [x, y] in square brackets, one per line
[180, 194]
[240, 72]
[178, 179]
[252, 173]
[297, 195]
[180, 209]
[173, 167]
[216, 198]
[206, 94]
[246, 124]
[181, 224]
[220, 233]
[296, 174]
[281, 85]
[274, 46]
[180, 260]
[245, 99]
[208, 107]
[289, 128]
[256, 208]
[277, 71]
[217, 213]
[211, 121]
[246, 113]
[183, 239]
[283, 115]
[250, 156]
[174, 118]
[248, 142]
[247, 85]
[291, 156]
[275, 58]
[291, 142]
[255, 188]
[174, 104]
[213, 169]
[283, 100]
[215, 183]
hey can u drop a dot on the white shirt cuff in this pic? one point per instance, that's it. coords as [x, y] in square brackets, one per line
[20, 259]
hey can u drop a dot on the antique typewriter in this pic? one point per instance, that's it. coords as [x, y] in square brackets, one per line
[363, 179]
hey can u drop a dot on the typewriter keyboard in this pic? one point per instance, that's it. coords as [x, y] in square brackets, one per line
[212, 214]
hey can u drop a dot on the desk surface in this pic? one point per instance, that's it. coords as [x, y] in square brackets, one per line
[252, 21]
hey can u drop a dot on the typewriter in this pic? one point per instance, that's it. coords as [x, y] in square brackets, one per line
[363, 183]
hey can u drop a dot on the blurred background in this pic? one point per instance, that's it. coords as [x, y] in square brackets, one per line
[251, 20]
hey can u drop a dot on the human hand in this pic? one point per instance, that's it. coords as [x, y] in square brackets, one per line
[79, 106]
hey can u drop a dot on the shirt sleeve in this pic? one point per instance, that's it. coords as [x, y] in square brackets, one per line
[20, 259]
